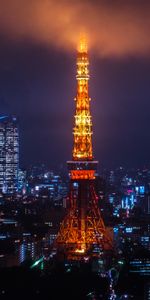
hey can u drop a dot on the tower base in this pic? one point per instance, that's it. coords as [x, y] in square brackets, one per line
[82, 232]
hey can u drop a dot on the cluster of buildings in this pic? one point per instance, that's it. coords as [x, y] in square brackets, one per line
[127, 203]
[124, 200]
[26, 200]
[36, 180]
[128, 191]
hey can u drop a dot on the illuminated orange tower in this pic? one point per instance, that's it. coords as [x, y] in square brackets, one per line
[82, 229]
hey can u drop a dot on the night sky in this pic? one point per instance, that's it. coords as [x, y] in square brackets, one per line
[37, 78]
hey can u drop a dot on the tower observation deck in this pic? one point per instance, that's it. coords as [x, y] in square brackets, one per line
[83, 229]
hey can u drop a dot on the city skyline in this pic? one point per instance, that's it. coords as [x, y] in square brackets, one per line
[36, 79]
[74, 149]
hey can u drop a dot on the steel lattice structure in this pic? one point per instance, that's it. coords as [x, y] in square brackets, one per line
[83, 228]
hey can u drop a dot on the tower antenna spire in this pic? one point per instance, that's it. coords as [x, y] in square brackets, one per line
[82, 149]
[83, 44]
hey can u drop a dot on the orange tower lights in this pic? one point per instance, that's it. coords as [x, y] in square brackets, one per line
[83, 227]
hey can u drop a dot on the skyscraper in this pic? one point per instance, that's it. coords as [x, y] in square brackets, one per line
[9, 154]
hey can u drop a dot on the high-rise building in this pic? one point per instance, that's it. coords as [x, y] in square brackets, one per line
[9, 154]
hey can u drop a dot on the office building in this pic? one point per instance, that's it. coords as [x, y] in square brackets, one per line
[9, 154]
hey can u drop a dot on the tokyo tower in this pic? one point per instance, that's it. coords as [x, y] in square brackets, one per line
[83, 229]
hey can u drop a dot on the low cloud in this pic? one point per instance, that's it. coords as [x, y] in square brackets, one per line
[114, 28]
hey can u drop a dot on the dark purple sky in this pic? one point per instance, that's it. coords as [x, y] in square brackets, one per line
[37, 77]
[38, 85]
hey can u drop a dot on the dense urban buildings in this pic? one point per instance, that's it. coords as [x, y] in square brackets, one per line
[30, 220]
[82, 236]
[9, 154]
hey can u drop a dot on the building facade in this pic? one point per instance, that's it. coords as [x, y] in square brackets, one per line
[9, 154]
